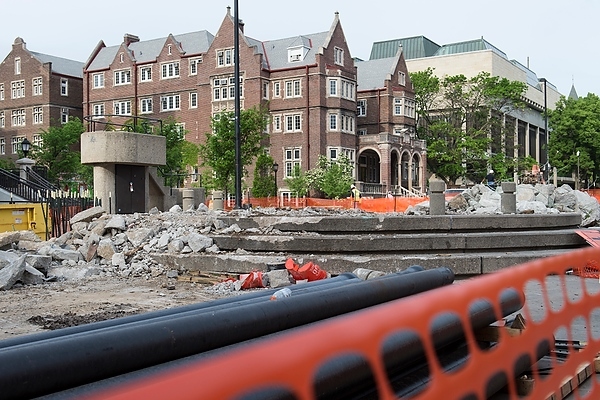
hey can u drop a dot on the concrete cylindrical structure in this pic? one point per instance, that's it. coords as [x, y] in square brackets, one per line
[437, 201]
[508, 199]
[217, 196]
[188, 199]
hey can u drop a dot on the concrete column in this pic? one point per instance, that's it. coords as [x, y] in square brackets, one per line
[23, 164]
[188, 199]
[508, 199]
[437, 201]
[217, 199]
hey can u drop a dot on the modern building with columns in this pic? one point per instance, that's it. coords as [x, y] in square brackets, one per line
[469, 58]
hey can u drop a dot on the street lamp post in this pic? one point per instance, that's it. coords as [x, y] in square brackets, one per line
[577, 186]
[275, 169]
[25, 147]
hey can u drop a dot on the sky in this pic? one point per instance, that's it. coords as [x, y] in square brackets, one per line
[556, 39]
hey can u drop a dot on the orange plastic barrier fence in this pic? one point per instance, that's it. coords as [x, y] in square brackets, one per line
[383, 205]
[291, 361]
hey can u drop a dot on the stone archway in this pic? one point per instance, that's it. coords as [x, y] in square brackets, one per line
[368, 167]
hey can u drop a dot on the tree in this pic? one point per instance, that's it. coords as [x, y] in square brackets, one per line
[57, 152]
[457, 116]
[332, 177]
[264, 181]
[575, 126]
[297, 183]
[218, 153]
[180, 153]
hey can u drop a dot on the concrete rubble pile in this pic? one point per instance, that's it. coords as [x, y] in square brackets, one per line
[531, 199]
[122, 246]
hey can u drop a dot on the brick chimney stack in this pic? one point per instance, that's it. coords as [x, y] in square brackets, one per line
[128, 38]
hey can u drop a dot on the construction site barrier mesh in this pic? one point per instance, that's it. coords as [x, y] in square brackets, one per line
[380, 205]
[289, 362]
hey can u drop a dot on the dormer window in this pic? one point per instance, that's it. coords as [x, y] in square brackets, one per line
[296, 54]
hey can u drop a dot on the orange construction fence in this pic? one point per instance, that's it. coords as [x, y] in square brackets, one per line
[290, 361]
[382, 205]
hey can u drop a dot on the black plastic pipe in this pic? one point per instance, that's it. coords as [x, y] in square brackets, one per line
[229, 301]
[57, 364]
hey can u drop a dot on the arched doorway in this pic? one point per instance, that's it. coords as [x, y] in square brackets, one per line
[368, 167]
[404, 168]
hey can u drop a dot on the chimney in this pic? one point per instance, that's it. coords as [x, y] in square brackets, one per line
[19, 42]
[128, 38]
[241, 25]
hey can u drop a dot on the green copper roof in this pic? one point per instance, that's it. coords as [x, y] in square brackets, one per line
[467, 47]
[412, 47]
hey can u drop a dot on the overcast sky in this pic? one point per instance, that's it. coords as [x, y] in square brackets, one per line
[557, 39]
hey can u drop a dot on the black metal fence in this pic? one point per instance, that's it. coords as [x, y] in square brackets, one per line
[62, 209]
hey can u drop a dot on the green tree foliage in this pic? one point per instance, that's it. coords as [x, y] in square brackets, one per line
[575, 126]
[218, 153]
[333, 178]
[57, 152]
[457, 115]
[297, 183]
[264, 179]
[180, 153]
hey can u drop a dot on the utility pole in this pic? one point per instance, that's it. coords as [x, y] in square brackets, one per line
[238, 139]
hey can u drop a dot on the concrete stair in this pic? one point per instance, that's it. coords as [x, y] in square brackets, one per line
[469, 244]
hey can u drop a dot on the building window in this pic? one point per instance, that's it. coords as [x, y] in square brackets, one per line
[224, 88]
[36, 85]
[224, 58]
[122, 77]
[98, 80]
[17, 89]
[180, 128]
[15, 143]
[333, 122]
[338, 56]
[169, 103]
[122, 107]
[170, 70]
[362, 132]
[194, 65]
[121, 57]
[409, 108]
[37, 141]
[1, 91]
[361, 108]
[401, 78]
[18, 117]
[277, 123]
[64, 87]
[2, 146]
[2, 121]
[292, 88]
[98, 109]
[17, 66]
[397, 106]
[293, 123]
[146, 106]
[64, 115]
[169, 49]
[333, 87]
[193, 100]
[292, 160]
[276, 89]
[341, 88]
[38, 115]
[145, 74]
[265, 92]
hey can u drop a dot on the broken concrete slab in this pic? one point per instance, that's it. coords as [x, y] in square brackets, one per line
[32, 276]
[12, 273]
[87, 215]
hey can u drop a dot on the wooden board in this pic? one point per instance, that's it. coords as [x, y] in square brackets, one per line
[591, 236]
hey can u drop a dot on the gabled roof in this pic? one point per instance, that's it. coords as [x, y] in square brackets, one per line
[372, 74]
[413, 47]
[276, 51]
[148, 50]
[60, 65]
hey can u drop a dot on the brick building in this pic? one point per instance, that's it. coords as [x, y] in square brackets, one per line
[36, 91]
[390, 155]
[308, 82]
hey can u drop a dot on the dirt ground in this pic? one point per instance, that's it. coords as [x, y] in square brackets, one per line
[53, 305]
